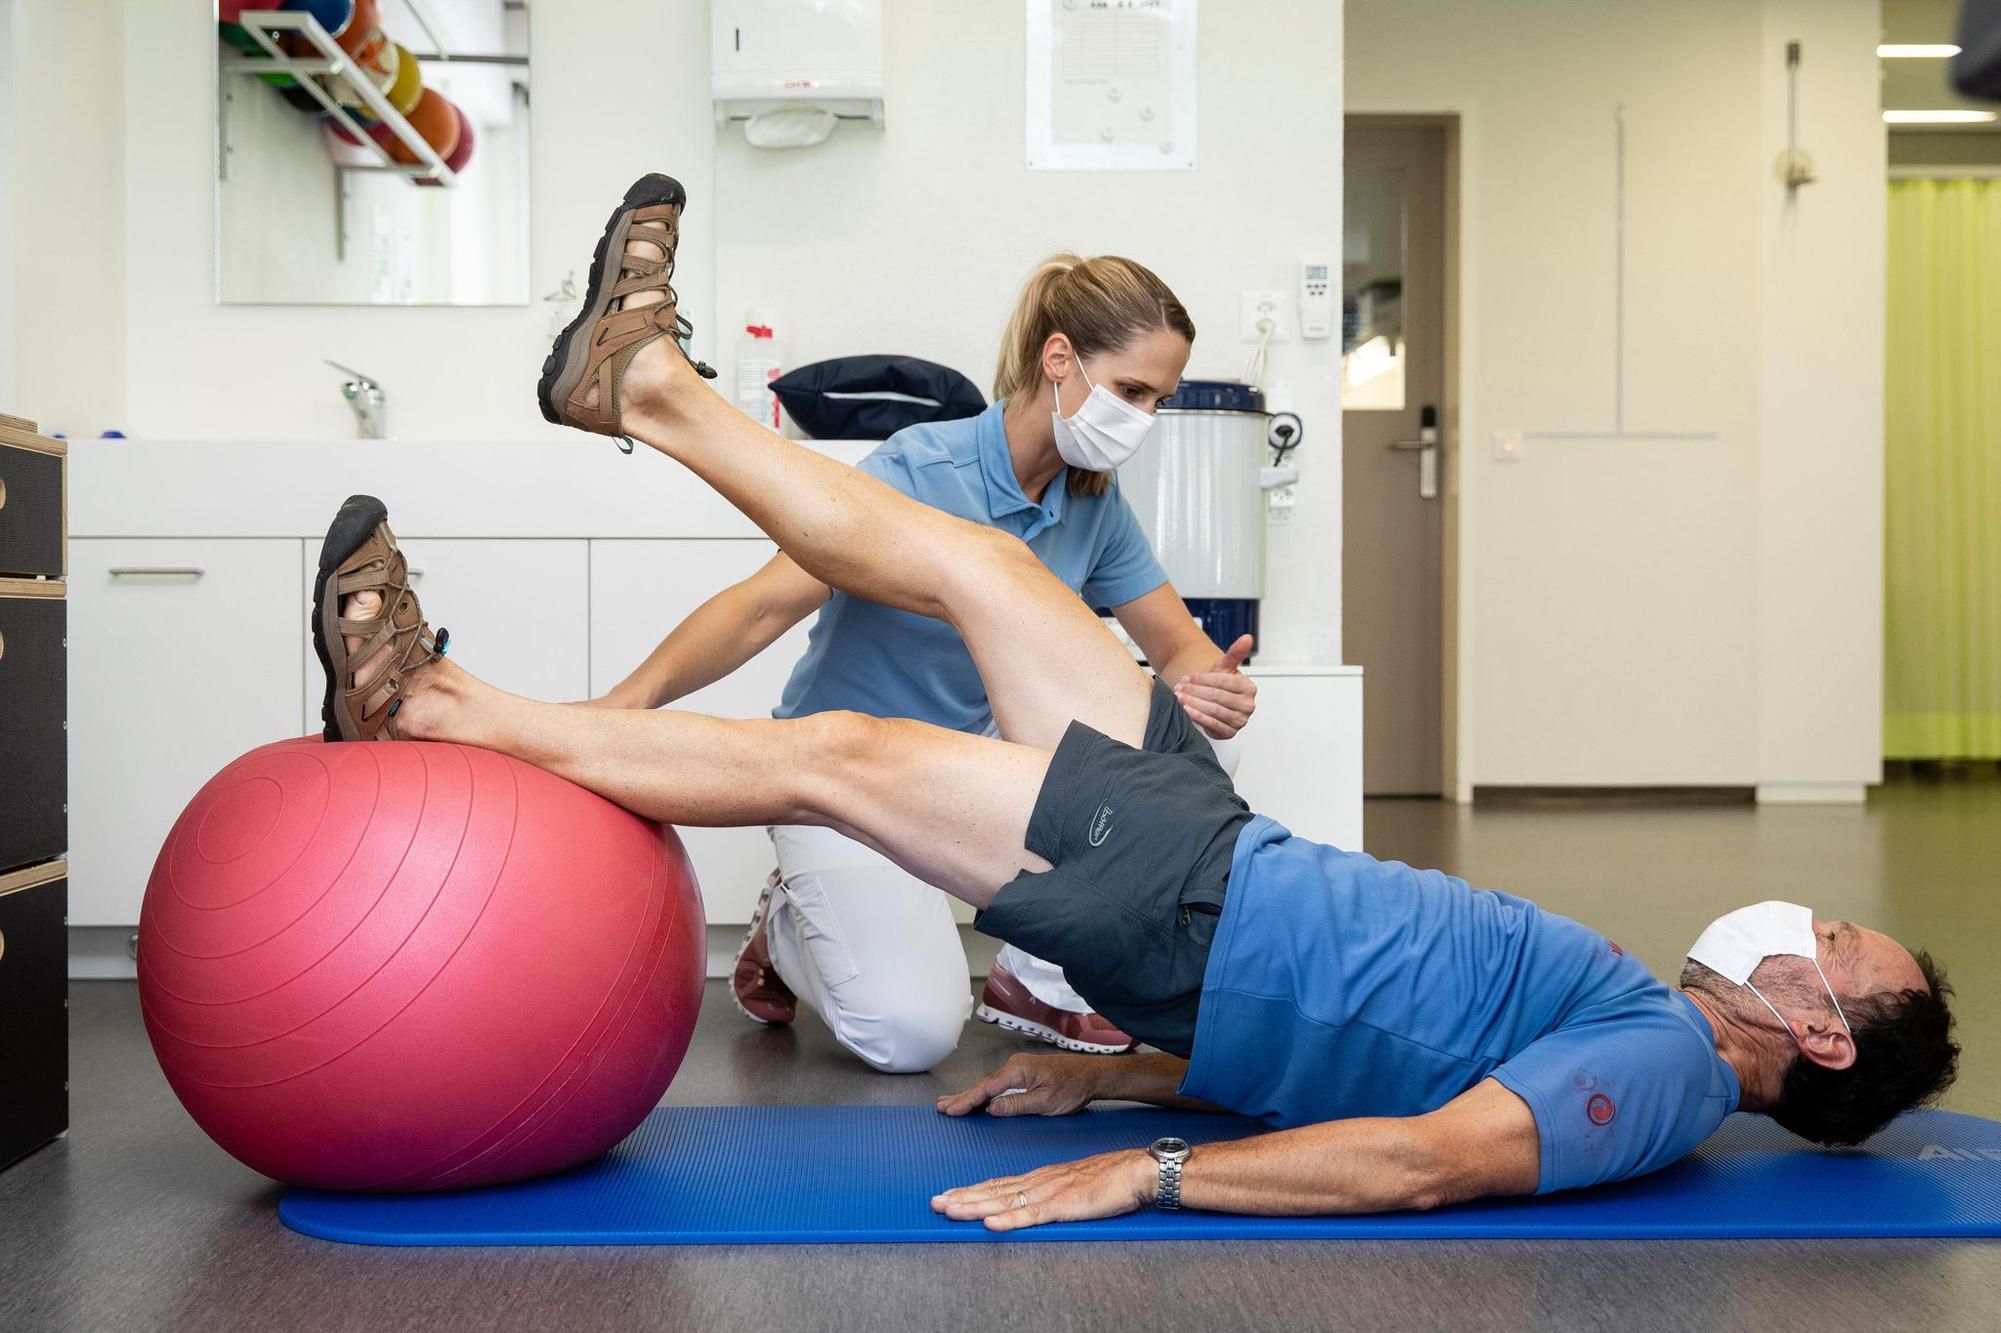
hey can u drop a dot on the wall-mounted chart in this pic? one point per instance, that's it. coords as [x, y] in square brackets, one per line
[1111, 85]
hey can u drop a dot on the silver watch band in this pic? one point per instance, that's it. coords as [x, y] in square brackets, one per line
[1168, 1193]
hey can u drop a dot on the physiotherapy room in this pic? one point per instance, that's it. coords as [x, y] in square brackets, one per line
[1582, 484]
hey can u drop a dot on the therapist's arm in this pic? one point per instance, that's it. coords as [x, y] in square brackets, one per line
[721, 635]
[1480, 1144]
[1215, 694]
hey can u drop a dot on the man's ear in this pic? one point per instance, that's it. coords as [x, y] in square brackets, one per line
[1827, 1045]
[1058, 356]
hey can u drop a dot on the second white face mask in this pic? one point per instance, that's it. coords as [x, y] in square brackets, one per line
[1102, 433]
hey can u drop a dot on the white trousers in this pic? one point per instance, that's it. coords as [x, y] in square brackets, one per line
[874, 951]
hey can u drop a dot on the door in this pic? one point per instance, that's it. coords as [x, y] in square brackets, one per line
[182, 656]
[1393, 341]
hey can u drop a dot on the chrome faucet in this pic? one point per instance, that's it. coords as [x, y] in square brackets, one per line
[370, 403]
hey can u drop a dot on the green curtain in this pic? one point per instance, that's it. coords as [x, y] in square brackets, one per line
[1942, 447]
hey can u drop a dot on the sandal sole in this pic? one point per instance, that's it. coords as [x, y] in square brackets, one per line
[358, 518]
[563, 368]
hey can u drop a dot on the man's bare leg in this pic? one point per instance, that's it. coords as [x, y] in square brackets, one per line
[950, 808]
[1044, 657]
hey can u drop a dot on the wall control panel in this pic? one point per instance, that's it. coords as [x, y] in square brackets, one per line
[1316, 299]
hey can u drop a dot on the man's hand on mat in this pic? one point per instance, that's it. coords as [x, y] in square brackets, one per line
[1221, 699]
[1107, 1185]
[1031, 1085]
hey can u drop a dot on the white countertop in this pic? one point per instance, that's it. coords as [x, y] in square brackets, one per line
[578, 487]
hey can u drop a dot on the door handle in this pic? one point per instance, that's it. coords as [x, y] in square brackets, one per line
[1425, 446]
[157, 571]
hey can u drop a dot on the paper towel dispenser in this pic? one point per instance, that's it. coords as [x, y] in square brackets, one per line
[772, 55]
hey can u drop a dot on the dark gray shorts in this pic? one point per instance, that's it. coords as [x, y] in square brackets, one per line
[1139, 844]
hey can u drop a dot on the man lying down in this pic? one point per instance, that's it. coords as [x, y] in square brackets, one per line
[1415, 1042]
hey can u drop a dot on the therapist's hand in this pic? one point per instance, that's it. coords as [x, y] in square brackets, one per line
[1032, 1085]
[1221, 699]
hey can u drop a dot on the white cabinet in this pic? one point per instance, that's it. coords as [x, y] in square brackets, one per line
[1302, 752]
[639, 591]
[183, 655]
[518, 610]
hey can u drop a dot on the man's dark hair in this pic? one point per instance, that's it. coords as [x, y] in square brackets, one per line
[1904, 1057]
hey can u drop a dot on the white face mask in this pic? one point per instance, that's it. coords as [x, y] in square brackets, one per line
[1104, 431]
[1738, 941]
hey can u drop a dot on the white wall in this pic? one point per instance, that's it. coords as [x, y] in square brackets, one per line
[1642, 612]
[914, 239]
[8, 170]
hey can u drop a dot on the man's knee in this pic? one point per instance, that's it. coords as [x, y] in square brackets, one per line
[836, 742]
[996, 568]
[842, 757]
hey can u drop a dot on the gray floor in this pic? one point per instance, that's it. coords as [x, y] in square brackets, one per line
[136, 1221]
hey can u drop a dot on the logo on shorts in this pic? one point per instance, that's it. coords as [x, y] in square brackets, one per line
[1101, 826]
[1600, 1109]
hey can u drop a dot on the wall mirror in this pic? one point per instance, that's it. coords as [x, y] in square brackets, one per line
[372, 152]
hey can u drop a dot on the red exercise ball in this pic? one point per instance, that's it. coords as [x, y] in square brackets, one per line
[410, 966]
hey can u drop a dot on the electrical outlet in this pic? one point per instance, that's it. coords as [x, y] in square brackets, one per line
[1279, 502]
[1260, 306]
[1507, 446]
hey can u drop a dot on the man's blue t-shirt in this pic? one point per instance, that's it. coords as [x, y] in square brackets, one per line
[866, 657]
[1340, 986]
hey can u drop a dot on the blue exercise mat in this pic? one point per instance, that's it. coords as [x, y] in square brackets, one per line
[777, 1175]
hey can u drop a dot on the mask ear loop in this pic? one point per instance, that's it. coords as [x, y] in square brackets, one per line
[1782, 1018]
[1775, 1012]
[1832, 999]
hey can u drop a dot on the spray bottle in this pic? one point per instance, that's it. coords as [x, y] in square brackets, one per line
[760, 359]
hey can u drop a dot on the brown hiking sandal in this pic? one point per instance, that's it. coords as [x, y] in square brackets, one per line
[360, 555]
[593, 352]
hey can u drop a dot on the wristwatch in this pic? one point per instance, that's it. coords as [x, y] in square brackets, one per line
[1170, 1153]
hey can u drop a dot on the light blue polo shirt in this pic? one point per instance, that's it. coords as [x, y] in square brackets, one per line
[1340, 986]
[867, 658]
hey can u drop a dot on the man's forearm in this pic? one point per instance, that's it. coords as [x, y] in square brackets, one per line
[1343, 1166]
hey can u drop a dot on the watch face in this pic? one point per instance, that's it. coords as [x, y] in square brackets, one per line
[1171, 1148]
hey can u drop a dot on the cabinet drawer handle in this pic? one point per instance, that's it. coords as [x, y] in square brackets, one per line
[157, 571]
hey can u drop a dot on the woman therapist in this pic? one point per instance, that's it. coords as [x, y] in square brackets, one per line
[1092, 349]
